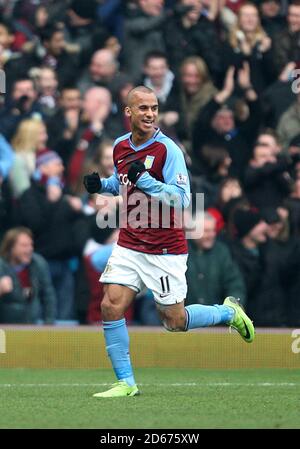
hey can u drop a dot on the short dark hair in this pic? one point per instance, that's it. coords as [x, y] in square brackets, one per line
[22, 77]
[155, 54]
[8, 25]
[48, 31]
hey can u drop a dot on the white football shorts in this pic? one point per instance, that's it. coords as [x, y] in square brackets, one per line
[163, 274]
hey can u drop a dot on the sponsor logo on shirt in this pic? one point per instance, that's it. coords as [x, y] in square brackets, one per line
[181, 179]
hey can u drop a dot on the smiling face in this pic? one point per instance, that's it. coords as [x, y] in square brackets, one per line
[142, 111]
[22, 250]
[191, 79]
[248, 18]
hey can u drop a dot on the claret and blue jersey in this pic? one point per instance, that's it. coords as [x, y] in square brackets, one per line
[166, 178]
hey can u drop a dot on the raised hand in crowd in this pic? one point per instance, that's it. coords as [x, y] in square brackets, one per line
[228, 86]
[6, 285]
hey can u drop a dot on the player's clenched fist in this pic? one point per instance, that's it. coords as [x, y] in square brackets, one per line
[92, 183]
[135, 170]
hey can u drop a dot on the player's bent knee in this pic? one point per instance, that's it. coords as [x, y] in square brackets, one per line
[173, 327]
[107, 307]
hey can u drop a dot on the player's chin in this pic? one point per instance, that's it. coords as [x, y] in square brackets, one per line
[147, 126]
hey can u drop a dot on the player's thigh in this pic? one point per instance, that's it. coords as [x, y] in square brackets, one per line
[123, 269]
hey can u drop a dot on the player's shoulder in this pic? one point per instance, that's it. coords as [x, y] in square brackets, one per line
[121, 139]
[171, 146]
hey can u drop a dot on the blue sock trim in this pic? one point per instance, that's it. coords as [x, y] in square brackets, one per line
[113, 324]
[187, 322]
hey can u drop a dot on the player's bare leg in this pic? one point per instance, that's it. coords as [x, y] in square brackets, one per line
[116, 300]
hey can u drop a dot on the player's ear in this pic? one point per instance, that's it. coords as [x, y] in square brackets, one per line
[127, 111]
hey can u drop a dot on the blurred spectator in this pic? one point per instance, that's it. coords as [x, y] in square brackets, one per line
[194, 91]
[292, 203]
[26, 291]
[267, 181]
[230, 196]
[286, 43]
[52, 217]
[103, 161]
[212, 274]
[279, 96]
[143, 32]
[230, 124]
[272, 18]
[21, 104]
[102, 71]
[6, 162]
[30, 16]
[6, 207]
[120, 123]
[86, 31]
[111, 12]
[6, 158]
[46, 84]
[54, 52]
[250, 234]
[63, 126]
[9, 59]
[96, 119]
[158, 76]
[281, 268]
[289, 123]
[189, 32]
[269, 138]
[214, 168]
[249, 42]
[31, 136]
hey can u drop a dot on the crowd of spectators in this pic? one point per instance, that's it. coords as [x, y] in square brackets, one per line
[226, 73]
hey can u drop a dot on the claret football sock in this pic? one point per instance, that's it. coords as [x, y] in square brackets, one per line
[199, 315]
[117, 346]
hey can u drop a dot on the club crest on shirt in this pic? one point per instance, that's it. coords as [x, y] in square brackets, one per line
[149, 162]
[181, 179]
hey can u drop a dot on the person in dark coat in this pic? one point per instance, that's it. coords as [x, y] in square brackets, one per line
[281, 269]
[212, 274]
[267, 181]
[143, 32]
[20, 105]
[218, 124]
[250, 234]
[190, 33]
[26, 291]
[53, 216]
[286, 42]
[54, 52]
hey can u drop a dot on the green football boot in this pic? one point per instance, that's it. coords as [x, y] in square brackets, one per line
[240, 321]
[118, 390]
